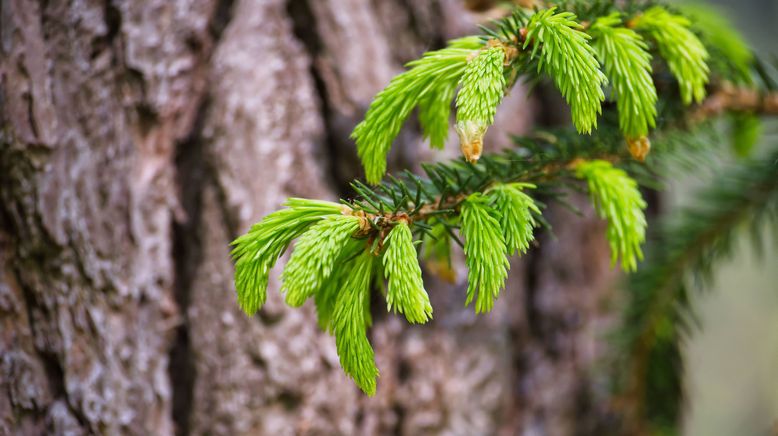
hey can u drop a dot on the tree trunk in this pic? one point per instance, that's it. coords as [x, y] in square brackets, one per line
[139, 138]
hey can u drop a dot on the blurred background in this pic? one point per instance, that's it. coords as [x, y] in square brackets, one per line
[733, 357]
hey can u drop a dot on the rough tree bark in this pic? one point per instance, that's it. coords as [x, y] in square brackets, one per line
[138, 138]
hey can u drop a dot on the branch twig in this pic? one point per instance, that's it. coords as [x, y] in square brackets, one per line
[738, 99]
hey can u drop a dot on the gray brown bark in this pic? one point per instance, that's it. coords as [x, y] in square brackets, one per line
[139, 138]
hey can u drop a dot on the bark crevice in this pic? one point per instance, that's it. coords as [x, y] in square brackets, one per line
[187, 256]
[193, 174]
[304, 29]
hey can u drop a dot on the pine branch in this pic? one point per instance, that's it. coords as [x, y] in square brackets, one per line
[553, 42]
[344, 249]
[431, 207]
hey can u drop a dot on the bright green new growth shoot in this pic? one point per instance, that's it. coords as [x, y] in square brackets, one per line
[314, 257]
[327, 295]
[685, 54]
[732, 53]
[566, 56]
[483, 85]
[627, 64]
[257, 251]
[428, 80]
[350, 321]
[435, 112]
[617, 199]
[485, 252]
[515, 209]
[405, 292]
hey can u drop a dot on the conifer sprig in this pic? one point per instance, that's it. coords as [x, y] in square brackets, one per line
[256, 252]
[516, 210]
[405, 291]
[483, 85]
[350, 321]
[567, 57]
[314, 256]
[345, 249]
[627, 63]
[686, 56]
[616, 198]
[485, 252]
[485, 203]
[425, 81]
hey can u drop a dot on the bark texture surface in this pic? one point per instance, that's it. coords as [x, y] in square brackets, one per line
[138, 138]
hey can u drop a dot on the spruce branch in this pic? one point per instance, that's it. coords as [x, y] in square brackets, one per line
[485, 202]
[432, 208]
